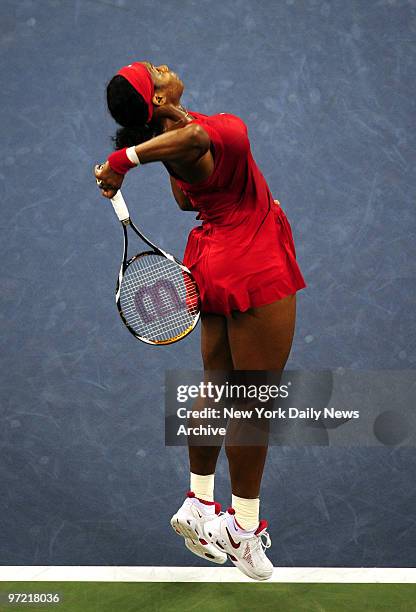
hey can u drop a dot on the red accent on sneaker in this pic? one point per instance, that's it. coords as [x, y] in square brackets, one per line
[232, 557]
[247, 555]
[231, 510]
[262, 526]
[206, 502]
[233, 544]
[203, 542]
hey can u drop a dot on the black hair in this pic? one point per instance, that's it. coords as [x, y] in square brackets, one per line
[128, 109]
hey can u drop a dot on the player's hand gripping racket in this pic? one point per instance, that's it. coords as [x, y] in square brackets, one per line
[156, 295]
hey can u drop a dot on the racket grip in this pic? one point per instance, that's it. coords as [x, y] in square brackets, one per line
[120, 207]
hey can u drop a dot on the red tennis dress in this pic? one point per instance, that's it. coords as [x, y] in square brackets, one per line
[243, 254]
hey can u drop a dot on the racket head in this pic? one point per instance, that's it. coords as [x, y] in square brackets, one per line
[158, 299]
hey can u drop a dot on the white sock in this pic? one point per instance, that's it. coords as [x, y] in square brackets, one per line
[203, 486]
[246, 512]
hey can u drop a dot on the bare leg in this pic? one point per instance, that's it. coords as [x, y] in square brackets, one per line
[260, 339]
[216, 355]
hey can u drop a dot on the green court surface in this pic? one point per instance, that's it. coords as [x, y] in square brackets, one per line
[225, 597]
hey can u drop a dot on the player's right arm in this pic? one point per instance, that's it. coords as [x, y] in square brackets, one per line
[187, 150]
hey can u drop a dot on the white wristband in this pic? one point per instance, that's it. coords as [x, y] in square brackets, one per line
[132, 155]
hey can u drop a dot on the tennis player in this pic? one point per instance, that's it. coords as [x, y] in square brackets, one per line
[243, 259]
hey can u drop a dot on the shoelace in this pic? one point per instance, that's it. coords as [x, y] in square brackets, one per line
[268, 541]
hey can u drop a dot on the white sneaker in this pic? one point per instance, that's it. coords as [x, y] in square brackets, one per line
[244, 548]
[189, 522]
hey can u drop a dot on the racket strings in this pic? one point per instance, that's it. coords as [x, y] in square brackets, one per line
[158, 299]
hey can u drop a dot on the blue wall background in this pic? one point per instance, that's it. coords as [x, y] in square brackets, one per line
[327, 90]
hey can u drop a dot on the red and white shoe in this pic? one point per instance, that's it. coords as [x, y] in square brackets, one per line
[246, 549]
[189, 522]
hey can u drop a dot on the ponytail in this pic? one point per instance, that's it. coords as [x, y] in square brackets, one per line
[130, 136]
[130, 111]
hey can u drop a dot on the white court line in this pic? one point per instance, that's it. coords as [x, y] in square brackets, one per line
[89, 573]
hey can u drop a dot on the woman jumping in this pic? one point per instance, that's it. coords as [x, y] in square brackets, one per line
[243, 259]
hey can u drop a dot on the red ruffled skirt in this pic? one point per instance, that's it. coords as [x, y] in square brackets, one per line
[244, 267]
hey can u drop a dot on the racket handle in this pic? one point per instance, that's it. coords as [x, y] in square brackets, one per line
[120, 207]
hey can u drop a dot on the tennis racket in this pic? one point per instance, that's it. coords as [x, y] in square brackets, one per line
[156, 295]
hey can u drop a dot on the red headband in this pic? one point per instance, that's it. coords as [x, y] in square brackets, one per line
[138, 76]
